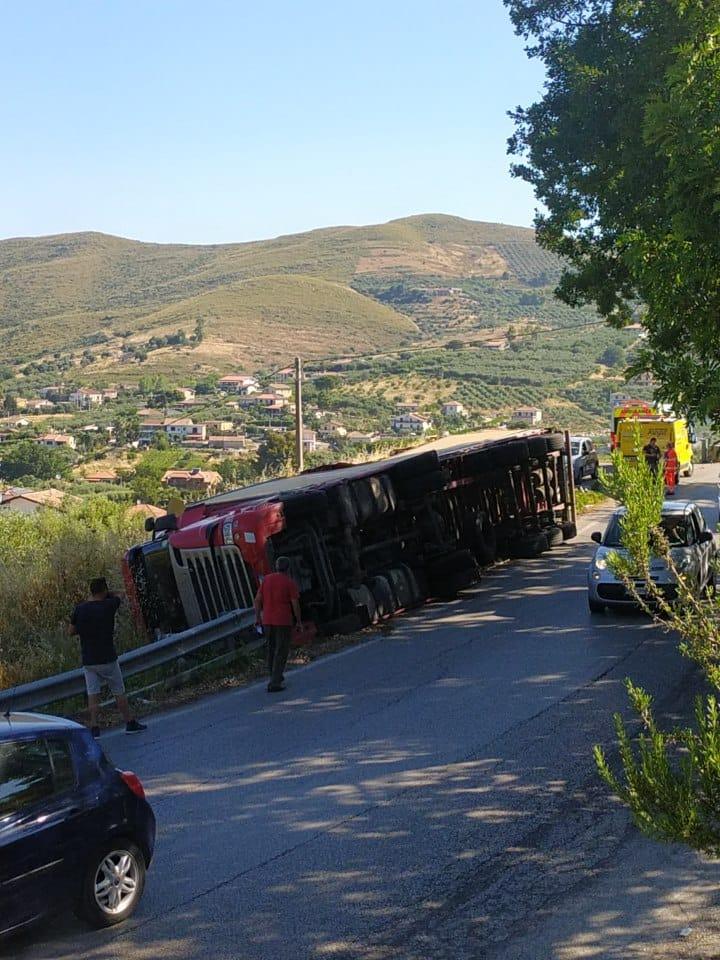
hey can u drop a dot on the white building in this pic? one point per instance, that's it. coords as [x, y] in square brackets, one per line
[529, 415]
[177, 430]
[453, 408]
[55, 440]
[411, 423]
[86, 398]
[241, 383]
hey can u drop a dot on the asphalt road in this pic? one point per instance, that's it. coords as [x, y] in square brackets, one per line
[429, 794]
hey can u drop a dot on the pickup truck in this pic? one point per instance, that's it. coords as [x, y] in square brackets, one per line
[584, 458]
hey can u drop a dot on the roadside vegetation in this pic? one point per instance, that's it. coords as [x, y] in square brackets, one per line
[622, 152]
[46, 562]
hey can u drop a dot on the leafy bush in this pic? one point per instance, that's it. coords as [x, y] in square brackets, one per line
[46, 562]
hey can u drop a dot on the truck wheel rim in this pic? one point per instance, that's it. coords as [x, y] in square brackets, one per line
[116, 882]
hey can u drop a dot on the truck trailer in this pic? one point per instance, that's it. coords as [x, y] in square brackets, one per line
[365, 541]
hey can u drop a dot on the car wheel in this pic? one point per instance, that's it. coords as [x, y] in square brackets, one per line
[113, 884]
[595, 607]
[689, 470]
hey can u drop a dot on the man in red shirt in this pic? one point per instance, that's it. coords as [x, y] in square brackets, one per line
[277, 604]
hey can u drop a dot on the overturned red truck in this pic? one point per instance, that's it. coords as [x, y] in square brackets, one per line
[364, 540]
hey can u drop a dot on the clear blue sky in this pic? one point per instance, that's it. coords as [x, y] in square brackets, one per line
[218, 120]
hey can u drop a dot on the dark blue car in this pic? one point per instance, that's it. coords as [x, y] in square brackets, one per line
[75, 832]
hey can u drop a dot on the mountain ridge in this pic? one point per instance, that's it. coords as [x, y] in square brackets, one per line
[427, 276]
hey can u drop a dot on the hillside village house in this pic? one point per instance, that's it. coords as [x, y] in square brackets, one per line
[241, 383]
[30, 501]
[101, 476]
[177, 430]
[110, 394]
[281, 390]
[86, 398]
[287, 373]
[530, 415]
[453, 408]
[53, 392]
[494, 344]
[228, 441]
[205, 481]
[311, 443]
[270, 403]
[187, 393]
[411, 423]
[35, 406]
[57, 440]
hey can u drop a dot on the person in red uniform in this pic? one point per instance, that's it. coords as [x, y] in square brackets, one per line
[671, 468]
[277, 605]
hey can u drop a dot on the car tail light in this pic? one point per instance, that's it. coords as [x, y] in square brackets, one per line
[133, 781]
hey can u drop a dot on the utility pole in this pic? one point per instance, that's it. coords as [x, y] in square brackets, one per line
[299, 450]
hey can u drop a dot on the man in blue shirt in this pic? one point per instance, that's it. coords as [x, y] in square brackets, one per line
[94, 622]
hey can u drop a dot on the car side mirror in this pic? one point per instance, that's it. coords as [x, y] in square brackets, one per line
[149, 524]
[596, 537]
[706, 536]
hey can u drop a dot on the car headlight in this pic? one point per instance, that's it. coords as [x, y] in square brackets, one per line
[683, 564]
[601, 563]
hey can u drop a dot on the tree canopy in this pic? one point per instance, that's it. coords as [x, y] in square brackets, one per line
[28, 459]
[623, 151]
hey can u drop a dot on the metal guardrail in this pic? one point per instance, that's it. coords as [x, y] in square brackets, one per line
[28, 696]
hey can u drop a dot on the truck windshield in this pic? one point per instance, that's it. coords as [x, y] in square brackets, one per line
[674, 528]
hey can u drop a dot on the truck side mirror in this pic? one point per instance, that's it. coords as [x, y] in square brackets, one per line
[706, 536]
[596, 537]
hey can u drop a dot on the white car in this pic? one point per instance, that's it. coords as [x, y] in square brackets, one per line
[692, 546]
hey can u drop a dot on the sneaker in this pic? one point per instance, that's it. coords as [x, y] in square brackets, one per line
[95, 731]
[134, 726]
[275, 687]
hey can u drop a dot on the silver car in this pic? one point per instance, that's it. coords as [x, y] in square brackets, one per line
[692, 546]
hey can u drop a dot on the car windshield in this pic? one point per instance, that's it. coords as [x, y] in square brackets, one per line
[674, 528]
[575, 448]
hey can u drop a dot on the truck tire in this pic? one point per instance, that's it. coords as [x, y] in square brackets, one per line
[689, 470]
[555, 442]
[389, 489]
[480, 462]
[538, 447]
[364, 501]
[345, 504]
[350, 623]
[486, 546]
[554, 535]
[308, 505]
[569, 530]
[415, 488]
[384, 597]
[401, 587]
[364, 602]
[453, 572]
[512, 454]
[413, 466]
[529, 546]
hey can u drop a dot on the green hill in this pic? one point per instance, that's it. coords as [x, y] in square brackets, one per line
[326, 292]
